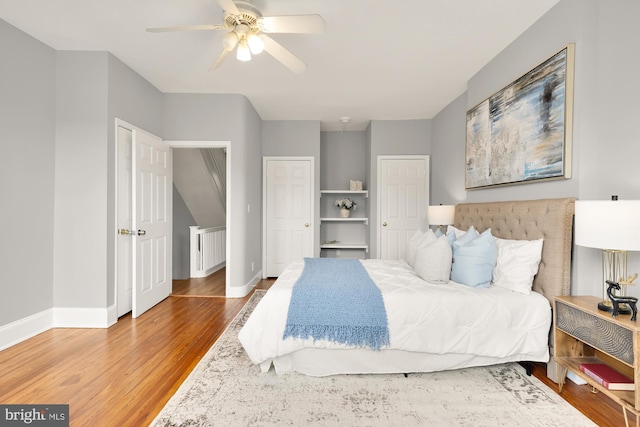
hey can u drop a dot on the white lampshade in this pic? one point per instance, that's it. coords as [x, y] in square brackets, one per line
[441, 214]
[608, 224]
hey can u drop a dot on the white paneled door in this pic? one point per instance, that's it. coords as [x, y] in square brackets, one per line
[152, 213]
[403, 197]
[288, 189]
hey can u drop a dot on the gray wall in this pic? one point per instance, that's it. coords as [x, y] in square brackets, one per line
[138, 102]
[182, 220]
[296, 138]
[605, 150]
[202, 117]
[93, 89]
[448, 154]
[388, 137]
[343, 157]
[80, 224]
[27, 141]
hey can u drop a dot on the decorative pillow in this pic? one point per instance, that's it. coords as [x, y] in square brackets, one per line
[427, 238]
[517, 264]
[464, 237]
[457, 231]
[412, 245]
[474, 259]
[433, 260]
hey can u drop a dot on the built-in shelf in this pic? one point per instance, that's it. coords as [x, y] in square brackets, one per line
[344, 246]
[364, 193]
[340, 219]
[333, 225]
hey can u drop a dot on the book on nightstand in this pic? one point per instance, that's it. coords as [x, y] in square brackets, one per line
[607, 376]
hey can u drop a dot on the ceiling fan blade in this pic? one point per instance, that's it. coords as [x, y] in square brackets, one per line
[287, 58]
[229, 7]
[220, 59]
[186, 28]
[301, 24]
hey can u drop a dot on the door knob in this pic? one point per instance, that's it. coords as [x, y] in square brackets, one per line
[384, 224]
[124, 231]
[142, 232]
[306, 224]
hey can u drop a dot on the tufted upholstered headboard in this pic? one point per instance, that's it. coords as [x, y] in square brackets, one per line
[551, 219]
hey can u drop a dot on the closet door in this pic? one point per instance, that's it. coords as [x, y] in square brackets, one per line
[288, 207]
[403, 197]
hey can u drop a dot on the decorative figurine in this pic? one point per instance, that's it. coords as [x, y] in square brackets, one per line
[617, 300]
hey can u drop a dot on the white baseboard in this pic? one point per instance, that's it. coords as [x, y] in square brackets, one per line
[20, 330]
[57, 317]
[243, 291]
[75, 317]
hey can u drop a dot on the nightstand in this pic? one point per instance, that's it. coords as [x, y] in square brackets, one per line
[584, 334]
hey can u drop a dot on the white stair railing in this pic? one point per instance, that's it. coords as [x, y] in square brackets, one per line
[207, 250]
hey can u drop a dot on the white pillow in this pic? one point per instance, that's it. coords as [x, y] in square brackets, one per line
[517, 264]
[412, 245]
[433, 260]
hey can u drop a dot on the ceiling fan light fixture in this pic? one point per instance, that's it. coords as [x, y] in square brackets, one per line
[229, 40]
[243, 53]
[256, 45]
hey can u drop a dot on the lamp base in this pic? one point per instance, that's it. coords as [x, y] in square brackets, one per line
[608, 307]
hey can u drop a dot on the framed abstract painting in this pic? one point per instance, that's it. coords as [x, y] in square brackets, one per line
[522, 133]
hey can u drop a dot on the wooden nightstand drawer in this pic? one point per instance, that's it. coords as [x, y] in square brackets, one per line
[606, 336]
[584, 334]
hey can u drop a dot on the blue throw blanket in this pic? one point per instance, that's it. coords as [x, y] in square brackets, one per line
[336, 300]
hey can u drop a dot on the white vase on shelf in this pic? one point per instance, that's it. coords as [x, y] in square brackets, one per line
[344, 213]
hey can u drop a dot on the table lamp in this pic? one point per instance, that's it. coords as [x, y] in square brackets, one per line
[614, 227]
[441, 215]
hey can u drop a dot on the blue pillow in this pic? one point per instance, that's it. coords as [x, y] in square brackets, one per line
[465, 236]
[474, 260]
[450, 236]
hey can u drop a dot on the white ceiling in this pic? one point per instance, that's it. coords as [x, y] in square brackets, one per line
[377, 59]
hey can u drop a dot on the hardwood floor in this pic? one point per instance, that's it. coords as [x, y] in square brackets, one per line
[210, 286]
[124, 375]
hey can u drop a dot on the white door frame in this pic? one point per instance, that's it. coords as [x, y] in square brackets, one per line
[130, 127]
[312, 206]
[424, 157]
[173, 144]
[121, 240]
[226, 145]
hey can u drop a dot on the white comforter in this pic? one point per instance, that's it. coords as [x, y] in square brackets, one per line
[423, 317]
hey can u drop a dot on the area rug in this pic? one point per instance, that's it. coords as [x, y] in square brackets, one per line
[226, 389]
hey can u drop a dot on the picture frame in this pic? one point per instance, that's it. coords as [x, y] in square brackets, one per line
[523, 132]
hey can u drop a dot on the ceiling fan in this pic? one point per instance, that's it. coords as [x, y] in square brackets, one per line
[246, 28]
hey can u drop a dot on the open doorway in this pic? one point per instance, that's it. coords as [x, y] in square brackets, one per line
[201, 226]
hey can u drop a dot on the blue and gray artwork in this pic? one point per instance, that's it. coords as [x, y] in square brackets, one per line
[518, 134]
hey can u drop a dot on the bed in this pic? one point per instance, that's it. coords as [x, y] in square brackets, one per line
[435, 327]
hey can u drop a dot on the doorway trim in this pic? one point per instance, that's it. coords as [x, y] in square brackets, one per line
[228, 223]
